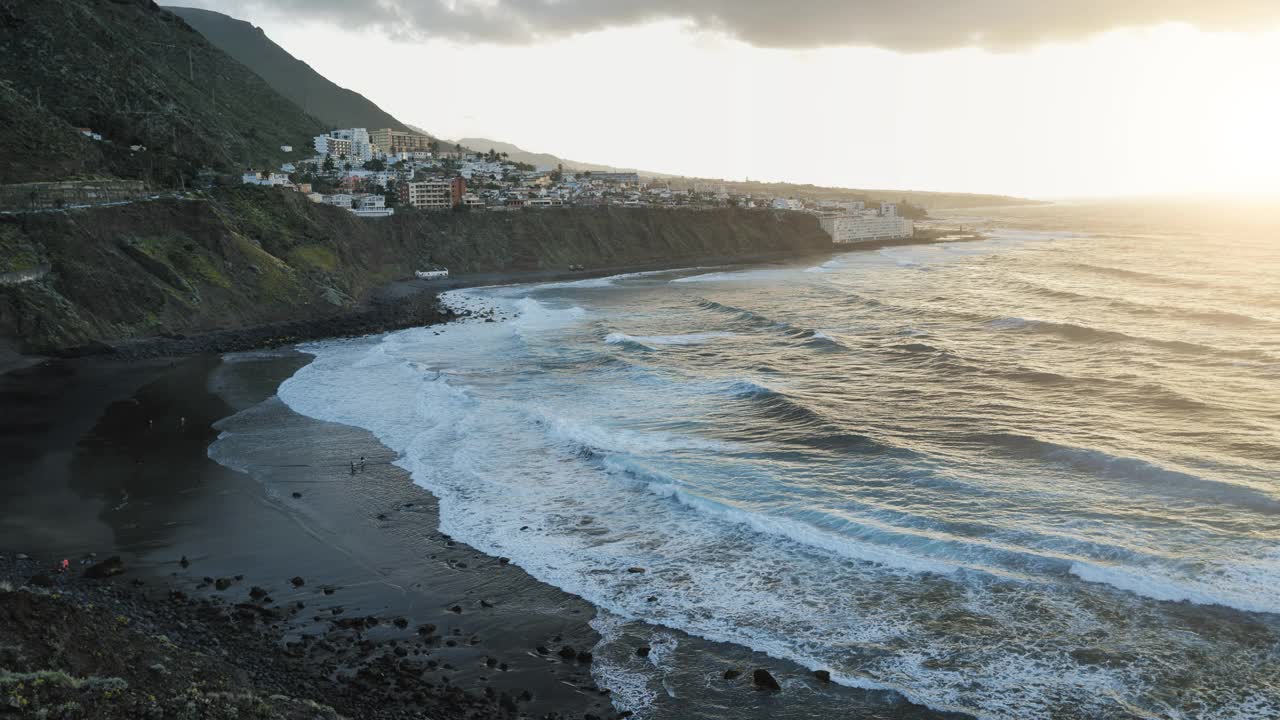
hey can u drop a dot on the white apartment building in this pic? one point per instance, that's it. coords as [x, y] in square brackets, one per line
[867, 226]
[371, 206]
[353, 143]
[341, 200]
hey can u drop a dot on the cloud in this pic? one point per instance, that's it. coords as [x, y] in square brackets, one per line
[907, 25]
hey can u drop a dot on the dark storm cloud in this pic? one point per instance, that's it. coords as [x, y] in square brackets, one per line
[911, 25]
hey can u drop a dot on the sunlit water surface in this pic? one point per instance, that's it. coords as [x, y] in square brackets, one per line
[1032, 476]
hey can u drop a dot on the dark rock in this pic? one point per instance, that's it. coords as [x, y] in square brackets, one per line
[456, 609]
[486, 603]
[257, 593]
[110, 567]
[328, 590]
[764, 680]
[643, 651]
[585, 657]
[504, 560]
[732, 674]
[567, 652]
[426, 629]
[401, 623]
[542, 650]
[222, 583]
[651, 598]
[635, 569]
[823, 675]
[297, 495]
[298, 581]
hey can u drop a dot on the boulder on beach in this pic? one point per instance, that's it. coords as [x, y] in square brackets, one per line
[764, 680]
[822, 675]
[298, 581]
[107, 568]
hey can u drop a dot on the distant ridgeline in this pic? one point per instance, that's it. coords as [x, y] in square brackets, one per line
[156, 101]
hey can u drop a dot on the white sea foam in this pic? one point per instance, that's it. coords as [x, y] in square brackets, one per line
[651, 340]
[1247, 584]
[756, 275]
[592, 465]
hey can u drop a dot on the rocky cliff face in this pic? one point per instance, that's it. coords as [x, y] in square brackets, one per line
[255, 256]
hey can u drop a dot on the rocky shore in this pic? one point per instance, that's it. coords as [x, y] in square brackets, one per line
[292, 589]
[103, 644]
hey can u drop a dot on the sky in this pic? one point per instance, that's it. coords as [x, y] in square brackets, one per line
[1047, 99]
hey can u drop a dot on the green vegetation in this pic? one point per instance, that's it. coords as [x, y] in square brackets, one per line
[315, 256]
[139, 76]
[251, 256]
[16, 253]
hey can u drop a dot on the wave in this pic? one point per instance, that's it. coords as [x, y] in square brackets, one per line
[648, 341]
[731, 276]
[1092, 335]
[1134, 472]
[1247, 585]
[601, 282]
[1210, 315]
[1140, 275]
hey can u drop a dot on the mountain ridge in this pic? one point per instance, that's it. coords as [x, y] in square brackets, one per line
[332, 104]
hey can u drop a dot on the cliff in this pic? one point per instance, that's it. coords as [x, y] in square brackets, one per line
[253, 256]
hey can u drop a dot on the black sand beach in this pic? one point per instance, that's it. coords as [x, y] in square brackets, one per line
[340, 574]
[137, 483]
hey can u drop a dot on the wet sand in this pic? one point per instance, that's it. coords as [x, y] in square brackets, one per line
[111, 459]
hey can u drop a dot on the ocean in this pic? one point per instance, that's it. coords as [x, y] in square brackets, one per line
[1035, 475]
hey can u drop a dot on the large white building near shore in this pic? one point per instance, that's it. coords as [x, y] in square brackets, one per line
[857, 226]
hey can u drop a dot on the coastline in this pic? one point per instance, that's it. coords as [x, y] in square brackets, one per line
[138, 484]
[154, 496]
[411, 303]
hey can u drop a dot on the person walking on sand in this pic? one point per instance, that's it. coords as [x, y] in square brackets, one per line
[361, 463]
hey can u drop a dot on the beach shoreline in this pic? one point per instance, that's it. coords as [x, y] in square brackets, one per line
[357, 576]
[413, 303]
[114, 456]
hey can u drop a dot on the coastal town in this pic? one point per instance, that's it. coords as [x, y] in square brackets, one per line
[372, 173]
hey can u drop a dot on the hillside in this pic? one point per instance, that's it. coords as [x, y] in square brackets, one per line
[336, 107]
[249, 256]
[138, 75]
[38, 145]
